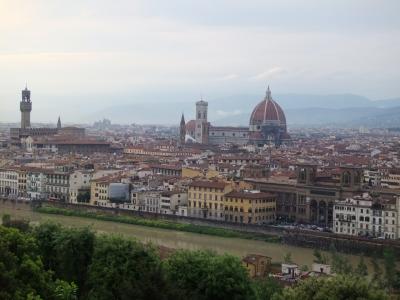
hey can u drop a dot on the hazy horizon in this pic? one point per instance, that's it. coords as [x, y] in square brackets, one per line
[80, 58]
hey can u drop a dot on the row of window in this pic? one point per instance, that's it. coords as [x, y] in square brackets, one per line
[204, 189]
[231, 208]
[8, 176]
[222, 198]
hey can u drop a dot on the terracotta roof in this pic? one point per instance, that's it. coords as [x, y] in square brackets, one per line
[209, 184]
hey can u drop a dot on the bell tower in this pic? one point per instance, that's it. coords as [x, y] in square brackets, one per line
[201, 130]
[26, 108]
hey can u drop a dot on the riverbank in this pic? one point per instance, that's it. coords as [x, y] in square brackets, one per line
[172, 238]
[162, 224]
[271, 234]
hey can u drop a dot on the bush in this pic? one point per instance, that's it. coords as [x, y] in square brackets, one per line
[341, 287]
[205, 275]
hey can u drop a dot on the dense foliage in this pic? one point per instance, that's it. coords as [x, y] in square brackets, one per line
[54, 262]
[337, 287]
[205, 275]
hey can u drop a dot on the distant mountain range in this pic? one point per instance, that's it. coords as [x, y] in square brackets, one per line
[300, 109]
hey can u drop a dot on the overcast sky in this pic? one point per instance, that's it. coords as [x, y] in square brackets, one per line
[79, 56]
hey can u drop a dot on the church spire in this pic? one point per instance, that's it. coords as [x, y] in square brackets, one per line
[182, 131]
[183, 119]
[268, 94]
[59, 123]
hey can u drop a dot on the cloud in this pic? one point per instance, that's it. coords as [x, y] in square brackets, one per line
[269, 74]
[228, 77]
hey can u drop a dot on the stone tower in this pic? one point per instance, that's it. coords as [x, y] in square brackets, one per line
[306, 173]
[201, 130]
[59, 123]
[26, 108]
[182, 130]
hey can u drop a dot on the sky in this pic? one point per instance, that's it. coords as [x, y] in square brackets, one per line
[80, 56]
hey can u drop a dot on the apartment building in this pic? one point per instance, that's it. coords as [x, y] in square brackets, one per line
[22, 182]
[366, 216]
[172, 202]
[372, 177]
[35, 184]
[206, 199]
[250, 207]
[56, 185]
[79, 186]
[9, 182]
[391, 179]
[99, 191]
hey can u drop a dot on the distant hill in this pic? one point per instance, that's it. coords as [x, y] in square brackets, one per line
[352, 116]
[342, 109]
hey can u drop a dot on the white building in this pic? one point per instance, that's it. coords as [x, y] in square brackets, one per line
[145, 200]
[171, 203]
[8, 182]
[365, 216]
[391, 179]
[79, 184]
[35, 184]
[57, 185]
[372, 177]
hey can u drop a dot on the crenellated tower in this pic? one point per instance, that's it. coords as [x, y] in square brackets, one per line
[26, 108]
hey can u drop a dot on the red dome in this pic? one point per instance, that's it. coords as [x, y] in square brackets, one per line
[191, 125]
[266, 111]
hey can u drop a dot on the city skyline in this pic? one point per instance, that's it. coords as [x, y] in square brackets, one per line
[95, 56]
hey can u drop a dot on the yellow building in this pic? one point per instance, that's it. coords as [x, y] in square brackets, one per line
[257, 265]
[250, 207]
[206, 199]
[99, 191]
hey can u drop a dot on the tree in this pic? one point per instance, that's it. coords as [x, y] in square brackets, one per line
[377, 276]
[361, 269]
[22, 274]
[65, 291]
[390, 267]
[46, 235]
[83, 196]
[340, 264]
[6, 219]
[320, 258]
[205, 275]
[333, 288]
[265, 288]
[304, 268]
[68, 252]
[287, 258]
[124, 269]
[22, 225]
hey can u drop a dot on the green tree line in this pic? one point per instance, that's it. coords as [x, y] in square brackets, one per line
[49, 261]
